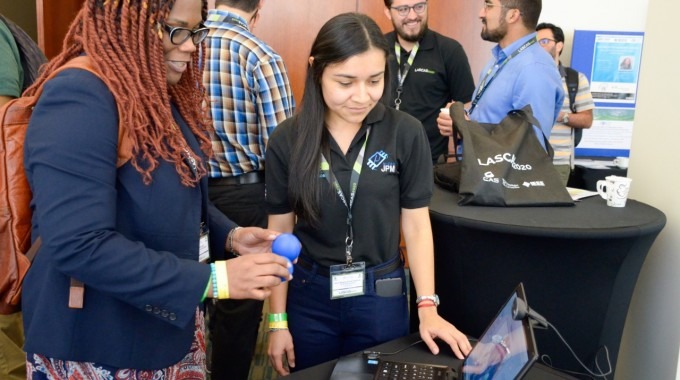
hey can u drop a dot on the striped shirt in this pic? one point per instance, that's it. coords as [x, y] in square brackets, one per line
[562, 135]
[249, 93]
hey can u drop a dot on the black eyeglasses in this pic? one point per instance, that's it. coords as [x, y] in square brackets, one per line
[179, 35]
[404, 10]
[545, 41]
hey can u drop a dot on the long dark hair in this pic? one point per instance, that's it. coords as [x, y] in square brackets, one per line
[339, 39]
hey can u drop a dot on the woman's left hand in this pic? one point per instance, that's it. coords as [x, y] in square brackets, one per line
[248, 240]
[433, 326]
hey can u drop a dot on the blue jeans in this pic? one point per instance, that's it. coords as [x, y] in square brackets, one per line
[325, 329]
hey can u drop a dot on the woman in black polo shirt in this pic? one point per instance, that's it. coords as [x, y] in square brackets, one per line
[342, 175]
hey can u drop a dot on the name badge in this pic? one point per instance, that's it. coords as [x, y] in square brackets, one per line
[348, 281]
[203, 248]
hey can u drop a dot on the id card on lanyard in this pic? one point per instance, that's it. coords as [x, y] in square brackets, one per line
[349, 279]
[203, 240]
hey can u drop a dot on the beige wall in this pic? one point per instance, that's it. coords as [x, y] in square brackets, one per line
[651, 341]
[650, 348]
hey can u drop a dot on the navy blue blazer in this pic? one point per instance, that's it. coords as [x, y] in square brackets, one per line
[135, 246]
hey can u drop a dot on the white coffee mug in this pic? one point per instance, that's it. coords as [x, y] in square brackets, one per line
[614, 189]
[621, 162]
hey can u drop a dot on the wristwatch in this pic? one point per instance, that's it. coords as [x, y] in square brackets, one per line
[497, 339]
[565, 118]
[434, 298]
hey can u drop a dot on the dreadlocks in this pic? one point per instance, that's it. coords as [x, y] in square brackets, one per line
[123, 38]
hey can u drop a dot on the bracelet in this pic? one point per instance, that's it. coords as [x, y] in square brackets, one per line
[222, 280]
[213, 277]
[230, 241]
[278, 317]
[277, 329]
[278, 321]
[205, 292]
[278, 325]
[426, 303]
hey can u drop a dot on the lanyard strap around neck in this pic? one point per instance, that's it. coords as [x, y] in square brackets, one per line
[189, 159]
[487, 80]
[353, 185]
[401, 74]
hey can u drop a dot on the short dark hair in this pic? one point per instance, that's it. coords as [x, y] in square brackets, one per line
[530, 10]
[244, 5]
[388, 3]
[558, 33]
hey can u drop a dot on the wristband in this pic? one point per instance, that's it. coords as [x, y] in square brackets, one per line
[222, 280]
[427, 303]
[213, 277]
[205, 292]
[277, 329]
[278, 325]
[278, 317]
[278, 321]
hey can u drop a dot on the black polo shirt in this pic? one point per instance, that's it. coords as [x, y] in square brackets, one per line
[440, 73]
[396, 173]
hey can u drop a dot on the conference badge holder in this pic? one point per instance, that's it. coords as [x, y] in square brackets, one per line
[348, 280]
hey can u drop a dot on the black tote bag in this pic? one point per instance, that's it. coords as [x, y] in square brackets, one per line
[504, 164]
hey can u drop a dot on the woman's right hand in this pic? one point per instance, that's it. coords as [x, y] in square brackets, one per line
[253, 276]
[281, 350]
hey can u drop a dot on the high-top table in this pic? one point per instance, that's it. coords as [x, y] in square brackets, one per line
[579, 266]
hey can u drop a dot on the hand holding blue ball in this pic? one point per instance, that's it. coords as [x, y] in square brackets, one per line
[288, 246]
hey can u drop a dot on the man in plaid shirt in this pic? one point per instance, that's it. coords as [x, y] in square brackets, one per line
[249, 92]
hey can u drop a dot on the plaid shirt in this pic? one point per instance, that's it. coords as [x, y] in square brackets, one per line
[249, 93]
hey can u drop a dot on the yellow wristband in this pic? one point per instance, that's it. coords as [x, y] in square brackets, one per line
[222, 280]
[278, 325]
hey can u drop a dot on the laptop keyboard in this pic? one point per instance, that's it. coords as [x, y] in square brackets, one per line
[388, 370]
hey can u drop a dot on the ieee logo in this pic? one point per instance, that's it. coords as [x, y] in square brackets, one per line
[376, 160]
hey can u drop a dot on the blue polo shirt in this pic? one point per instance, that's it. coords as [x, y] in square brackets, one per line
[530, 77]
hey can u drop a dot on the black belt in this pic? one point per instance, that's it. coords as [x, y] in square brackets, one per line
[325, 271]
[242, 179]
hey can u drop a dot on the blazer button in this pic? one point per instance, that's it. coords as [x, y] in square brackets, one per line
[172, 316]
[156, 310]
[164, 313]
[148, 308]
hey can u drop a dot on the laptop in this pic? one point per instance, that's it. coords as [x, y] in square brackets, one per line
[505, 351]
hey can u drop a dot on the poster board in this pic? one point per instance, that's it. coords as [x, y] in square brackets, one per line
[611, 61]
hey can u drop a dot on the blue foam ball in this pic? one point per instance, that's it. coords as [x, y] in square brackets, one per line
[288, 246]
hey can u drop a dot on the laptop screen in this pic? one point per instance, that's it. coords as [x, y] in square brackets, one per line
[507, 348]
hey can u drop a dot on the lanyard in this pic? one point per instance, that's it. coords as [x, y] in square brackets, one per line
[353, 185]
[401, 75]
[188, 158]
[487, 81]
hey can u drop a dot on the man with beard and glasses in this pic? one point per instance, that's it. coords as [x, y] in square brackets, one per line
[428, 70]
[572, 116]
[519, 74]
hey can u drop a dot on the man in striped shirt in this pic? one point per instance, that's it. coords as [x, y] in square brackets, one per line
[551, 38]
[250, 94]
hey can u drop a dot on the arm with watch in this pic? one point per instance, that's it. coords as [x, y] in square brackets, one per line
[415, 224]
[582, 119]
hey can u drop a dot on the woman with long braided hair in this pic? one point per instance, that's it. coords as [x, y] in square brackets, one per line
[116, 165]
